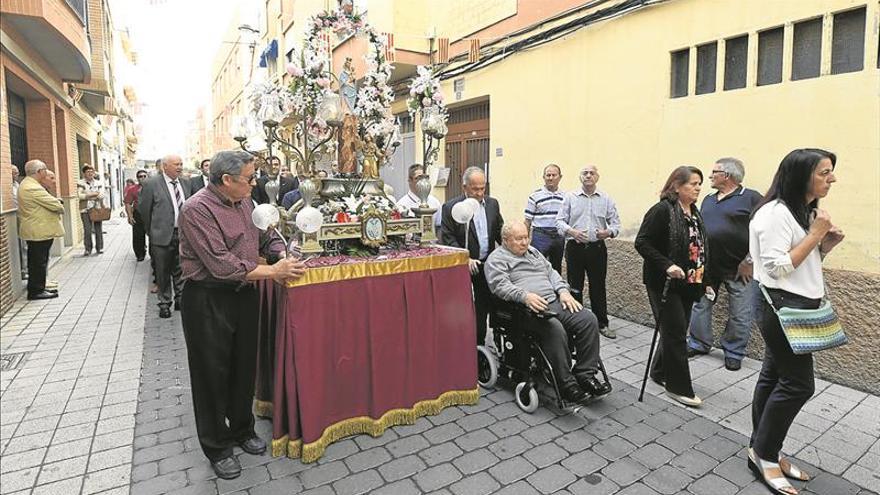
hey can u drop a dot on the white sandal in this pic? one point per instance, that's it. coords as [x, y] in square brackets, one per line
[762, 469]
[791, 470]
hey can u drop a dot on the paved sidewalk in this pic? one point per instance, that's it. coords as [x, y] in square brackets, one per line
[102, 404]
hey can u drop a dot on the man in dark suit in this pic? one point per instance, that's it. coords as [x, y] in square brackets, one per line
[484, 233]
[286, 182]
[159, 205]
[201, 180]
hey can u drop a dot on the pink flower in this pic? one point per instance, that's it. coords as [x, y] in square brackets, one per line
[426, 102]
[294, 70]
[323, 82]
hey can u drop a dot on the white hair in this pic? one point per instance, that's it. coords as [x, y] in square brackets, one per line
[469, 172]
[733, 168]
[34, 167]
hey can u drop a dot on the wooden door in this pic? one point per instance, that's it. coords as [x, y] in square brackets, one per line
[467, 143]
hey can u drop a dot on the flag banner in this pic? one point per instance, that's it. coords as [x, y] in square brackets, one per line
[389, 47]
[474, 52]
[443, 50]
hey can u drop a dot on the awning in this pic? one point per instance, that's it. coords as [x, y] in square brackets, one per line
[269, 53]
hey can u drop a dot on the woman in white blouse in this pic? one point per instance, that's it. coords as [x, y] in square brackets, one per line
[788, 237]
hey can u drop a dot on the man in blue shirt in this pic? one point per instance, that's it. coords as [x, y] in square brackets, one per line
[726, 216]
[541, 210]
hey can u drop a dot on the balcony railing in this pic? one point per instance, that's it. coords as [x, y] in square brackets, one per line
[80, 8]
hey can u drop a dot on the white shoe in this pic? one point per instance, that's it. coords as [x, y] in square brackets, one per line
[688, 401]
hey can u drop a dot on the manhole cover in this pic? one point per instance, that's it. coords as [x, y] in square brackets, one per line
[12, 360]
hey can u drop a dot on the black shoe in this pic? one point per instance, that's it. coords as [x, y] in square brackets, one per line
[99, 252]
[574, 394]
[42, 295]
[51, 291]
[164, 312]
[593, 387]
[141, 258]
[695, 352]
[254, 446]
[228, 468]
[658, 380]
[177, 306]
[86, 254]
[732, 364]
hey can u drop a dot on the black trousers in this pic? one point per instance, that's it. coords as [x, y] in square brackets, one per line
[220, 327]
[167, 268]
[138, 238]
[670, 358]
[553, 336]
[89, 228]
[786, 380]
[482, 303]
[591, 258]
[550, 244]
[38, 263]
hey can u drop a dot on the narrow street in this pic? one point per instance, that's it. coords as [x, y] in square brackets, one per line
[96, 400]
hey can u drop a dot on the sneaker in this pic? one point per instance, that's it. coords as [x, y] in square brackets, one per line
[688, 401]
[732, 364]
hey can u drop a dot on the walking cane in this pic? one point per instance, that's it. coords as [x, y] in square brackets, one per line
[654, 338]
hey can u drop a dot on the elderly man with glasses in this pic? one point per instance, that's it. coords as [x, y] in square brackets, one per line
[726, 216]
[219, 251]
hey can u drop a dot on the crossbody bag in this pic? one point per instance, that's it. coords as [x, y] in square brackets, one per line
[809, 330]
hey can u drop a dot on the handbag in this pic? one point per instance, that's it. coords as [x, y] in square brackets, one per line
[809, 330]
[99, 214]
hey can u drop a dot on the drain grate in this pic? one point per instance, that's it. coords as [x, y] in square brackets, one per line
[12, 361]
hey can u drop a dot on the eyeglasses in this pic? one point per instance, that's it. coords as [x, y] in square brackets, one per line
[718, 172]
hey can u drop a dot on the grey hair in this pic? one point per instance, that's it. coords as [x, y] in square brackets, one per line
[557, 167]
[33, 167]
[507, 228]
[228, 163]
[733, 167]
[468, 172]
[587, 167]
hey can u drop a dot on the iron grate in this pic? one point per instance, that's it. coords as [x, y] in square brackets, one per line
[12, 361]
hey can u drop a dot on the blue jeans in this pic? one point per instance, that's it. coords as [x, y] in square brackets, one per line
[741, 299]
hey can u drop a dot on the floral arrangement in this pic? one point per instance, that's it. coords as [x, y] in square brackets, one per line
[426, 98]
[350, 208]
[374, 99]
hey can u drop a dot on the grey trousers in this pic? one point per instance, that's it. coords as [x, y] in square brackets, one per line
[88, 228]
[167, 259]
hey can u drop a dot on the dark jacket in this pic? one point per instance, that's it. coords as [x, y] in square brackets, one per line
[654, 245]
[156, 208]
[196, 183]
[452, 232]
[258, 193]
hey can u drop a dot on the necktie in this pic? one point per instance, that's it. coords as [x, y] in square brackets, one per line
[177, 197]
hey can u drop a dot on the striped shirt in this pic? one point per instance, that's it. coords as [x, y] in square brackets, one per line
[542, 207]
[588, 213]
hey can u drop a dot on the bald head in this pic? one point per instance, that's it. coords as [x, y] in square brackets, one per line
[172, 165]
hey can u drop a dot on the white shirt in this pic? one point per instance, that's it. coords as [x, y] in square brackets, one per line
[409, 201]
[773, 232]
[168, 181]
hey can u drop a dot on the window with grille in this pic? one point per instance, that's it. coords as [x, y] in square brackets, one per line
[770, 56]
[848, 41]
[736, 55]
[679, 76]
[707, 62]
[806, 49]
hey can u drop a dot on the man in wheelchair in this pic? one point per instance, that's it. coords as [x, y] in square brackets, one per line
[518, 273]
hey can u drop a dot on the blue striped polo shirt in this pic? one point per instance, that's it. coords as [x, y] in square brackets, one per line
[542, 207]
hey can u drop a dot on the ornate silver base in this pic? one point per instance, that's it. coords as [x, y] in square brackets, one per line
[337, 187]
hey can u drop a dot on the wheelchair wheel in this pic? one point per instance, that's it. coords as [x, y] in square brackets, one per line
[487, 367]
[526, 397]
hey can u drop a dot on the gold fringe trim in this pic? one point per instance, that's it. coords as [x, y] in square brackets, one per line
[263, 408]
[311, 452]
[348, 271]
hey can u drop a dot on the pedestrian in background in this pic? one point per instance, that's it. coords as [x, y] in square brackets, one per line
[202, 179]
[138, 231]
[789, 235]
[672, 241]
[726, 215]
[587, 218]
[159, 204]
[541, 209]
[39, 215]
[91, 194]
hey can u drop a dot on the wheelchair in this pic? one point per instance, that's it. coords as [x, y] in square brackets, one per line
[519, 359]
